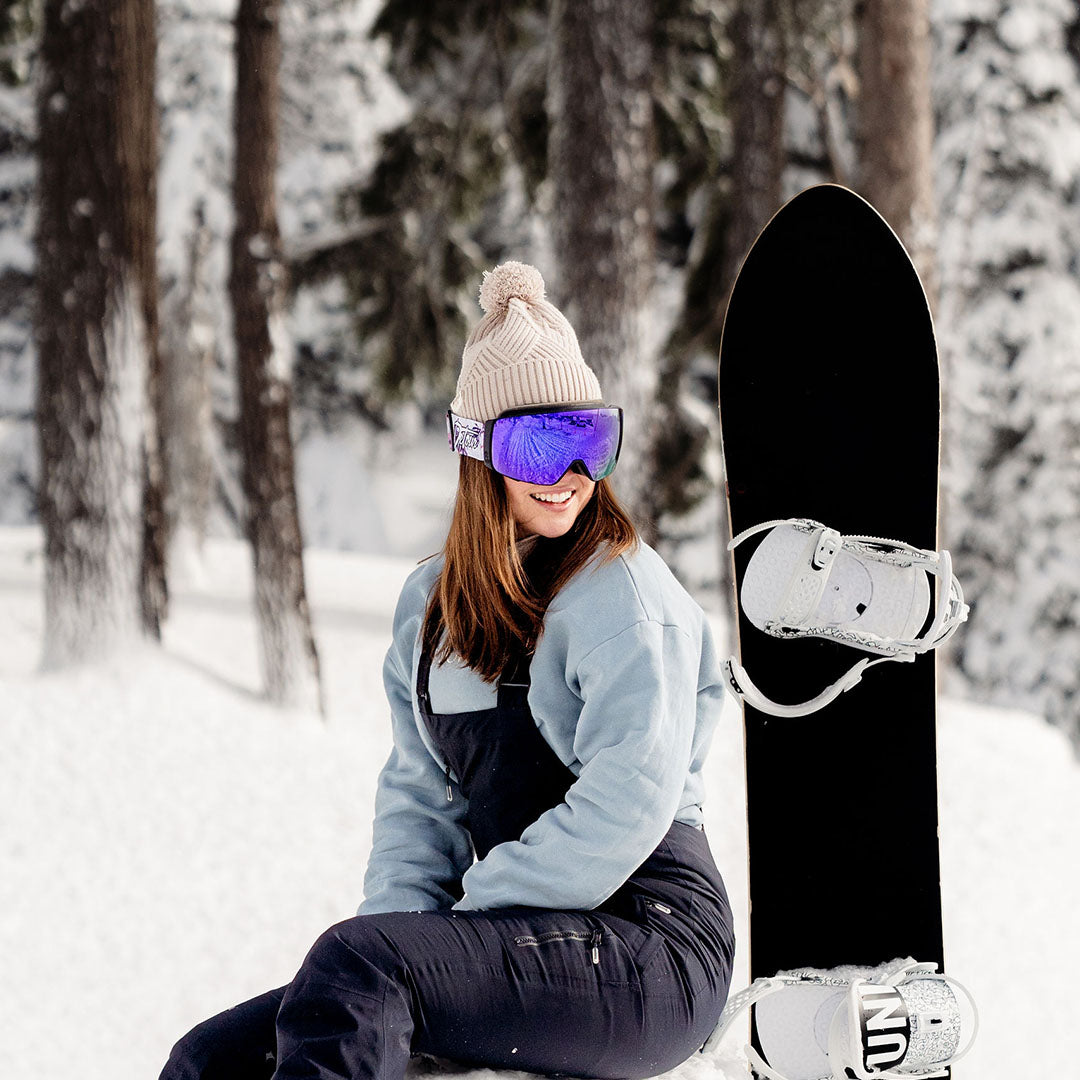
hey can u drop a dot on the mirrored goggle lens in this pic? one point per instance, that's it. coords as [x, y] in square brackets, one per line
[539, 447]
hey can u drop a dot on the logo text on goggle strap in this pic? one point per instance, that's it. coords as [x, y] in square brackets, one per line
[468, 435]
[885, 1025]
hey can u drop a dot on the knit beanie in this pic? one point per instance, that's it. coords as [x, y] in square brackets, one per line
[523, 352]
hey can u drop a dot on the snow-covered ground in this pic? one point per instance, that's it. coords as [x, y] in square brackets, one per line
[170, 845]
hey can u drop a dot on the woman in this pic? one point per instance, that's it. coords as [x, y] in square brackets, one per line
[540, 894]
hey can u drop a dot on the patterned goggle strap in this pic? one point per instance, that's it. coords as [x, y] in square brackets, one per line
[466, 436]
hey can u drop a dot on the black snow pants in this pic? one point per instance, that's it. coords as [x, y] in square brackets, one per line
[627, 990]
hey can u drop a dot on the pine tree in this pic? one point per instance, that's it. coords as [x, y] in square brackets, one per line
[1009, 169]
[96, 326]
[449, 194]
[465, 180]
[257, 289]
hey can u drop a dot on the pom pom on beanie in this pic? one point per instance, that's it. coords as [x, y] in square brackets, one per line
[509, 280]
[523, 352]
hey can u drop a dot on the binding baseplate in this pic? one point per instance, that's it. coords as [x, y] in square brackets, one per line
[806, 580]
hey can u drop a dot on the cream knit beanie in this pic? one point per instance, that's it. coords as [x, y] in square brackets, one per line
[523, 352]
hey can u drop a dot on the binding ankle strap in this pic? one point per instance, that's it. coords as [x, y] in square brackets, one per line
[744, 689]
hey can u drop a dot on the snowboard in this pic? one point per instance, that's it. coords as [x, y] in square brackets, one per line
[829, 409]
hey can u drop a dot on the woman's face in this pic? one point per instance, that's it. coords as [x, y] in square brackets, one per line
[548, 510]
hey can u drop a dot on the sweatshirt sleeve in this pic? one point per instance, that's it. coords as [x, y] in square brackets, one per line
[420, 847]
[633, 739]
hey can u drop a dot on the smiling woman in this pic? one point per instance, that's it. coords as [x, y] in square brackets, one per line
[540, 893]
[550, 511]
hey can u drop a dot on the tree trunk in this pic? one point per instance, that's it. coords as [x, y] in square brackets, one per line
[896, 125]
[757, 158]
[96, 328]
[257, 288]
[601, 156]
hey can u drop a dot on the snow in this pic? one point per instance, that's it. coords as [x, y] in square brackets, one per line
[385, 495]
[172, 845]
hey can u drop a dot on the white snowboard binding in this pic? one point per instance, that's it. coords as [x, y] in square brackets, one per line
[901, 1022]
[806, 580]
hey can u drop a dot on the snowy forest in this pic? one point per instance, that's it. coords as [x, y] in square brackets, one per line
[240, 245]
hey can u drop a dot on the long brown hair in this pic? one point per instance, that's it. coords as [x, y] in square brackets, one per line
[489, 600]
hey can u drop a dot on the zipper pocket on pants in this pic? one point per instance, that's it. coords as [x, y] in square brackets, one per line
[594, 937]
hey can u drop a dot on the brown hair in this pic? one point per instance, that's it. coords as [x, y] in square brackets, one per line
[489, 601]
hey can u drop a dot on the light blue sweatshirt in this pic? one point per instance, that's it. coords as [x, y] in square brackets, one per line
[625, 686]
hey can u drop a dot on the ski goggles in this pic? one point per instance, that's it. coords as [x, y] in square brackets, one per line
[538, 445]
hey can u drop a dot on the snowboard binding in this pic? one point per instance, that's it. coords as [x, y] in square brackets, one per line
[901, 1022]
[806, 580]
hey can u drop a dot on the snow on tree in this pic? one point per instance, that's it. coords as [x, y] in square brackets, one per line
[18, 176]
[1008, 161]
[336, 99]
[96, 327]
[450, 192]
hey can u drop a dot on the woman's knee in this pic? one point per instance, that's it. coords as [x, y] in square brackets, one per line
[238, 1044]
[193, 1056]
[355, 948]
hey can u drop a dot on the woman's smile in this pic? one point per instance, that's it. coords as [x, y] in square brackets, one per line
[552, 497]
[548, 510]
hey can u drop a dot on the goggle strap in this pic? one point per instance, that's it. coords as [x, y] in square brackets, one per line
[466, 436]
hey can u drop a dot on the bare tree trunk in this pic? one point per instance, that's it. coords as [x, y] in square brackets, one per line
[757, 160]
[257, 288]
[96, 328]
[896, 125]
[601, 155]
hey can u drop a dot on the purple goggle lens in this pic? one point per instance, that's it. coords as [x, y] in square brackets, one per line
[538, 446]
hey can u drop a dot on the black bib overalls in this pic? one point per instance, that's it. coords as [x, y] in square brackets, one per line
[629, 989]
